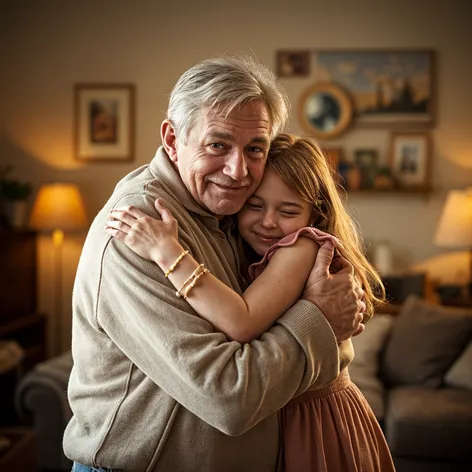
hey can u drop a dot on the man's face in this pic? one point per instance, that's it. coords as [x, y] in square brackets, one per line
[223, 161]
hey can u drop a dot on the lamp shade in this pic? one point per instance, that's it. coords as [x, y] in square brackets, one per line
[455, 224]
[58, 206]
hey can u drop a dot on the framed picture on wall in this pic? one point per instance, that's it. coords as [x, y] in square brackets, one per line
[367, 162]
[293, 63]
[389, 87]
[104, 122]
[334, 157]
[410, 159]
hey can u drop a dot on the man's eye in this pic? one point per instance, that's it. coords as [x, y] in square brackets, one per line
[257, 152]
[217, 145]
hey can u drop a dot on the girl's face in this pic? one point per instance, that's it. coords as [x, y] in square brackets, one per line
[272, 212]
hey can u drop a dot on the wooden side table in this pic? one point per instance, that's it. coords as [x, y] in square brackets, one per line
[459, 302]
[19, 451]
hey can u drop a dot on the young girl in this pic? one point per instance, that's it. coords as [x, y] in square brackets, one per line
[294, 210]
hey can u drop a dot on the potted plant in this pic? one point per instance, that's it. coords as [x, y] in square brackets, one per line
[13, 199]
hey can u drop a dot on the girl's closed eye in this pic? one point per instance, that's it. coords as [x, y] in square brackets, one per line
[254, 206]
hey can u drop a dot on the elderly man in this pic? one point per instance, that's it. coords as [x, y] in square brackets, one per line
[154, 387]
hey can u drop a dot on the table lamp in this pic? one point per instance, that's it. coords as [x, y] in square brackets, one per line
[58, 207]
[455, 225]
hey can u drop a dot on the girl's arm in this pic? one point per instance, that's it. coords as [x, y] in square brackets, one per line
[245, 317]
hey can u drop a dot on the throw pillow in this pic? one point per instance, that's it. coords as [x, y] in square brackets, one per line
[425, 341]
[460, 374]
[365, 366]
[367, 346]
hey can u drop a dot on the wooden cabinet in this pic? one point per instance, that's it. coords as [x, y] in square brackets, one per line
[19, 318]
[18, 272]
[30, 333]
[21, 450]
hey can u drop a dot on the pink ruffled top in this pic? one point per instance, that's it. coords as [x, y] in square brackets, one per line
[308, 232]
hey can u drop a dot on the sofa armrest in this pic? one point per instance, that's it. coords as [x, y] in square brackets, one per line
[42, 395]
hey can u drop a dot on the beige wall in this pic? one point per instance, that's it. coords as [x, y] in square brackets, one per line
[48, 46]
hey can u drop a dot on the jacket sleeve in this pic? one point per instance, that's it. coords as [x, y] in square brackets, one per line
[228, 385]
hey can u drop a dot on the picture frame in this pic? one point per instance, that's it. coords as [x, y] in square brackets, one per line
[325, 110]
[410, 159]
[334, 155]
[293, 63]
[389, 88]
[367, 162]
[104, 122]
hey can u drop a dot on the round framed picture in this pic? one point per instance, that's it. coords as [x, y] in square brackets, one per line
[325, 110]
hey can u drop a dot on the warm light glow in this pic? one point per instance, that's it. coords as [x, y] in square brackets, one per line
[58, 206]
[57, 237]
[455, 225]
[33, 137]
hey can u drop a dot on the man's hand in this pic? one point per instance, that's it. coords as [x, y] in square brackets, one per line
[339, 296]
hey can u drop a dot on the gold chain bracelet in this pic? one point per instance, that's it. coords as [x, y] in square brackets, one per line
[191, 281]
[194, 281]
[176, 263]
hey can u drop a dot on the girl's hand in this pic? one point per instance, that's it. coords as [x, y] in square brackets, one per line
[146, 236]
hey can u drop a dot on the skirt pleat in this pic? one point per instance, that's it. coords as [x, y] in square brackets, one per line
[333, 430]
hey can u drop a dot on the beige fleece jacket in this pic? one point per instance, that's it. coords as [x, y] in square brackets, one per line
[154, 387]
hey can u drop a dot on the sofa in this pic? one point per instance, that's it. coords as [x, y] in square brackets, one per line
[415, 369]
[41, 402]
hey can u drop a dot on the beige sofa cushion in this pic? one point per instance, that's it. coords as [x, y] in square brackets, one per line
[365, 366]
[460, 373]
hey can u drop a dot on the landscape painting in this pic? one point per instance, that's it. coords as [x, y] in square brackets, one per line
[387, 88]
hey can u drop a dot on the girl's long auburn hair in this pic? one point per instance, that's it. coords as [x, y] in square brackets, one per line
[304, 168]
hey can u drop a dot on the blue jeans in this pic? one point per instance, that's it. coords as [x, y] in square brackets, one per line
[87, 468]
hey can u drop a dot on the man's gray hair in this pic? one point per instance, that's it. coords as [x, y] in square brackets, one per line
[224, 84]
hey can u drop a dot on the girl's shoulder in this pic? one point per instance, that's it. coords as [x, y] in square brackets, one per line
[308, 232]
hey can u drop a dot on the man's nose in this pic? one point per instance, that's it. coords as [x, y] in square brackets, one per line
[236, 165]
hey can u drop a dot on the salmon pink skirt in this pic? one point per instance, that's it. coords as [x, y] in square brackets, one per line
[333, 429]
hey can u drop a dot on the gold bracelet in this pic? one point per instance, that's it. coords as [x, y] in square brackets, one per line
[194, 273]
[176, 263]
[194, 281]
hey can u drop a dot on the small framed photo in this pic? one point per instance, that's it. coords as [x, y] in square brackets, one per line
[293, 63]
[104, 122]
[367, 162]
[410, 159]
[334, 155]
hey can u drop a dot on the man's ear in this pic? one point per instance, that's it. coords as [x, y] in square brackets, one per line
[169, 140]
